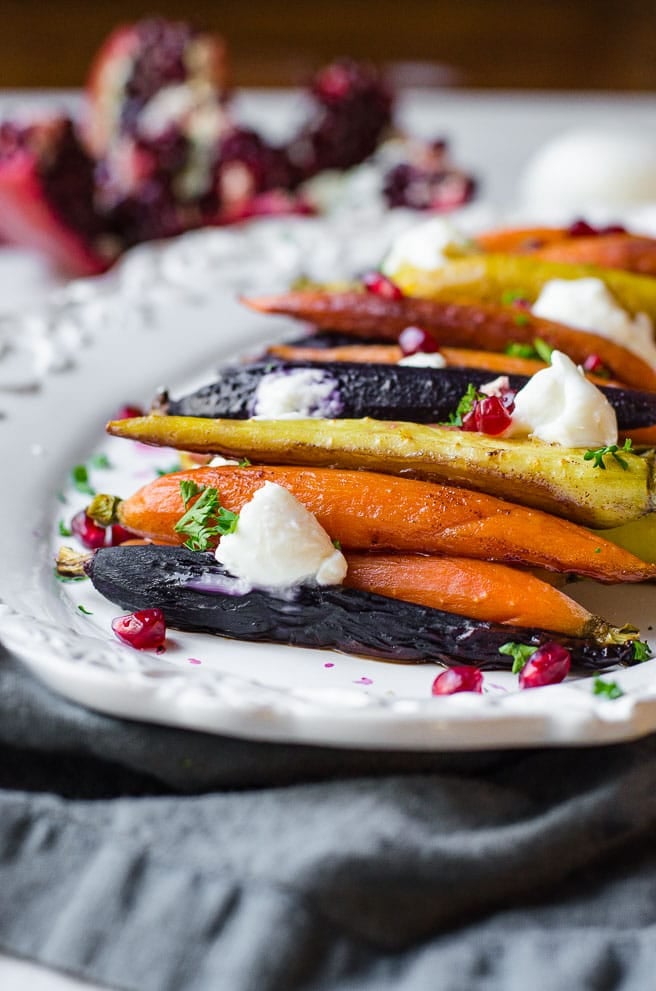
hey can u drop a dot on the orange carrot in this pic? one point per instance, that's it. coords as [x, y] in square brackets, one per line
[500, 364]
[622, 251]
[519, 240]
[369, 511]
[384, 354]
[478, 589]
[488, 326]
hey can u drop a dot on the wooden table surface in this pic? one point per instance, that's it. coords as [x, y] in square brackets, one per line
[535, 44]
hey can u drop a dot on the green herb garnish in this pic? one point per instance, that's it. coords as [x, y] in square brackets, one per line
[69, 578]
[608, 688]
[641, 650]
[100, 461]
[517, 350]
[189, 489]
[511, 296]
[205, 519]
[521, 320]
[466, 405]
[598, 454]
[80, 477]
[64, 531]
[337, 544]
[87, 612]
[543, 350]
[519, 652]
[169, 471]
[244, 463]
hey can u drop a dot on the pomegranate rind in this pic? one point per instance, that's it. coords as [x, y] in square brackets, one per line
[28, 220]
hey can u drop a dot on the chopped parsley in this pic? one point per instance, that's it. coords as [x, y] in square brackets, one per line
[64, 531]
[83, 609]
[543, 350]
[519, 652]
[521, 320]
[641, 650]
[68, 578]
[337, 545]
[598, 454]
[169, 470]
[205, 519]
[466, 405]
[608, 688]
[517, 350]
[80, 478]
[511, 296]
[538, 349]
[100, 461]
[244, 463]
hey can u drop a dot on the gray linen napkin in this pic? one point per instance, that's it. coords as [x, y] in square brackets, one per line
[152, 859]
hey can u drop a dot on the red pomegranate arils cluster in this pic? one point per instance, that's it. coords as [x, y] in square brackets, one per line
[416, 340]
[488, 416]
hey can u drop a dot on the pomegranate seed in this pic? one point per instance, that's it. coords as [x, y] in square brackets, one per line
[118, 535]
[416, 340]
[581, 228]
[143, 630]
[613, 229]
[489, 416]
[88, 531]
[594, 364]
[127, 412]
[379, 285]
[459, 679]
[549, 665]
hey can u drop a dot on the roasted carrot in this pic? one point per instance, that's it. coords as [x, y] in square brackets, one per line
[519, 240]
[542, 476]
[478, 589]
[486, 277]
[618, 250]
[492, 361]
[369, 511]
[484, 325]
[499, 364]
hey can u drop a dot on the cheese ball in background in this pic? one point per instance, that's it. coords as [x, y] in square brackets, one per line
[583, 169]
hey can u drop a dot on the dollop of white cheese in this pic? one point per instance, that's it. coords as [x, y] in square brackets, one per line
[560, 406]
[297, 393]
[588, 304]
[279, 543]
[425, 246]
[424, 359]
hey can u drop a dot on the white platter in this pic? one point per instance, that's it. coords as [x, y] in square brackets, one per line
[169, 315]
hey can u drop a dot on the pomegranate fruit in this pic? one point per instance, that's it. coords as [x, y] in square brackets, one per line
[47, 197]
[351, 110]
[143, 630]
